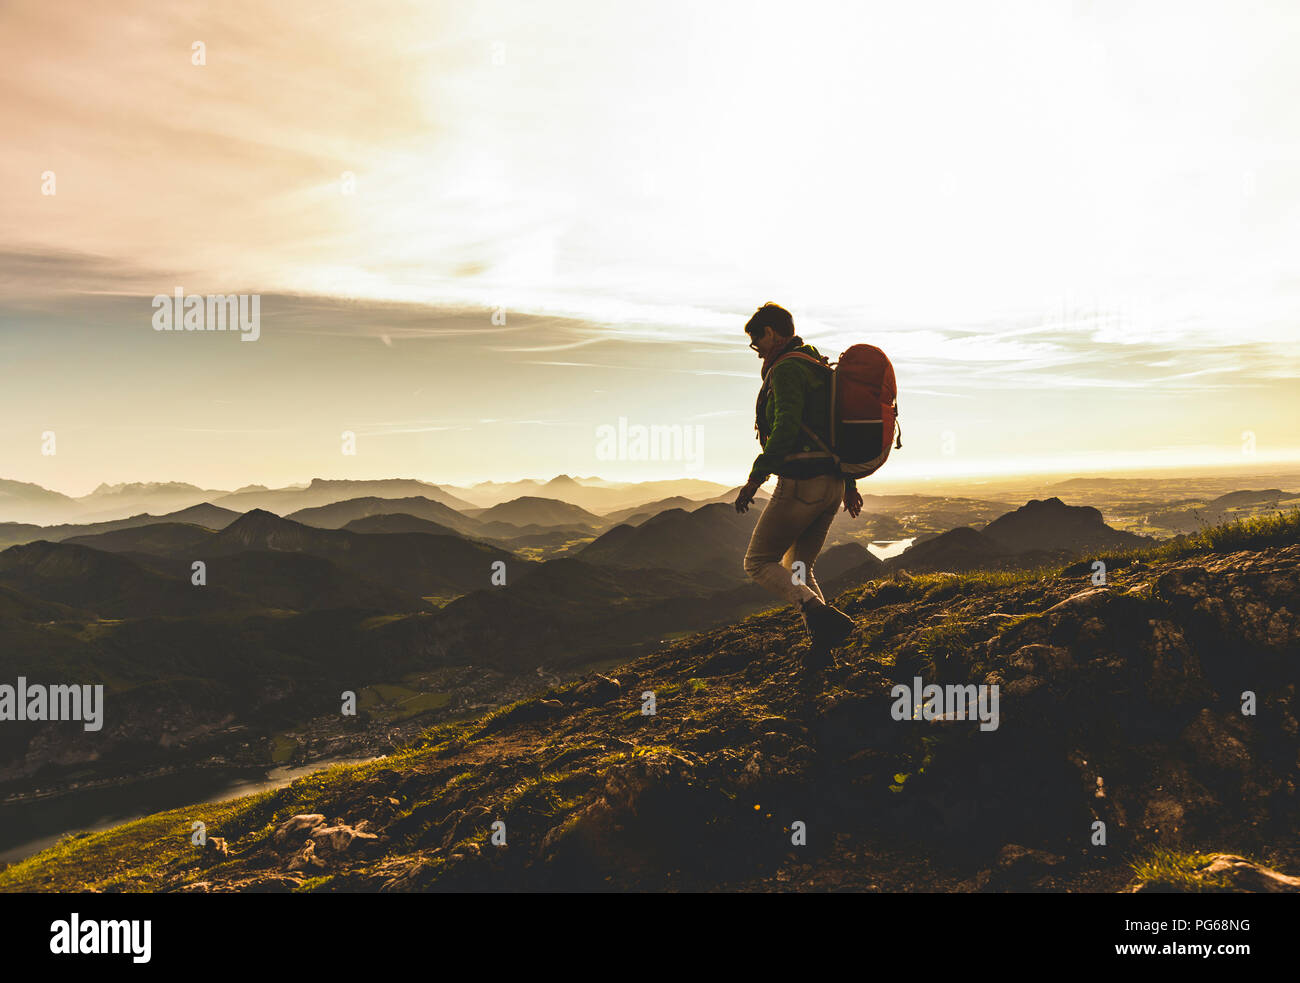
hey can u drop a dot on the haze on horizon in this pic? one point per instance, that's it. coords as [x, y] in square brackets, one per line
[1074, 226]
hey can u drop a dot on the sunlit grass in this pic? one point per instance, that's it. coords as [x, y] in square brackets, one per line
[1175, 870]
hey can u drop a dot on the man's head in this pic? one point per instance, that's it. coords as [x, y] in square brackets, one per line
[770, 329]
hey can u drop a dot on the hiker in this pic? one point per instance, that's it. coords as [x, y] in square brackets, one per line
[809, 490]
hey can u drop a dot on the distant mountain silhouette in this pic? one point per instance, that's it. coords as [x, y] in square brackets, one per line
[418, 563]
[14, 533]
[488, 493]
[1189, 515]
[637, 514]
[156, 497]
[712, 538]
[592, 494]
[399, 522]
[1237, 499]
[728, 497]
[339, 514]
[561, 483]
[530, 510]
[108, 584]
[160, 537]
[956, 550]
[22, 501]
[871, 568]
[838, 560]
[322, 491]
[204, 514]
[1050, 524]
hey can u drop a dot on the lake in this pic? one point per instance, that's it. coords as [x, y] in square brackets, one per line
[886, 548]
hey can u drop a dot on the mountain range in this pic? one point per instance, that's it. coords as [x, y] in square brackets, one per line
[1119, 711]
[371, 587]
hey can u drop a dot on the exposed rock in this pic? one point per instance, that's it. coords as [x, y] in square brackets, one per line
[294, 830]
[338, 839]
[306, 858]
[1083, 600]
[1246, 876]
[597, 690]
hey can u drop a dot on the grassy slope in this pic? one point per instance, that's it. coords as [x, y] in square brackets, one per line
[729, 747]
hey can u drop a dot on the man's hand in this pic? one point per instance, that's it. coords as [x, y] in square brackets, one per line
[746, 496]
[852, 501]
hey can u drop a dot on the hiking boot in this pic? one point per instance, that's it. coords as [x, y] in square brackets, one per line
[827, 625]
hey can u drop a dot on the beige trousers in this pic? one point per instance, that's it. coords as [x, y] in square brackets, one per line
[791, 531]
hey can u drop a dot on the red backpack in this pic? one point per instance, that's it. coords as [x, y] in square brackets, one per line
[864, 409]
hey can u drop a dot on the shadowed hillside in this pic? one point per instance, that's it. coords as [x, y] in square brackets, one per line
[1120, 704]
[337, 515]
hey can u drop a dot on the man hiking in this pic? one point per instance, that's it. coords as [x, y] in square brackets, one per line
[795, 394]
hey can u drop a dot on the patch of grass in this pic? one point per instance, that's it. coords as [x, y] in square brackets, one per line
[609, 760]
[990, 579]
[1254, 532]
[1017, 619]
[544, 794]
[138, 855]
[488, 723]
[574, 752]
[463, 778]
[1173, 869]
[647, 749]
[131, 857]
[950, 639]
[1277, 529]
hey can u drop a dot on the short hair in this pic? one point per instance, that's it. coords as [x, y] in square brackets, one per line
[772, 316]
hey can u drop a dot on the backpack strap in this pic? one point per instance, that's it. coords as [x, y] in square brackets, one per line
[803, 356]
[823, 362]
[820, 443]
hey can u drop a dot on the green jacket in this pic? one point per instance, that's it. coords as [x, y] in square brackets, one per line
[794, 392]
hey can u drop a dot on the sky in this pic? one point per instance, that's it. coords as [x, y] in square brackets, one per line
[484, 234]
